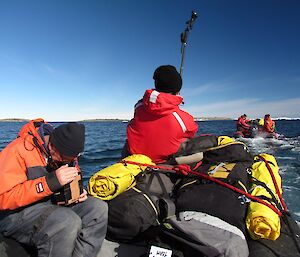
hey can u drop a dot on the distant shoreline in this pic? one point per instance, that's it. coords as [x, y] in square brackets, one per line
[101, 120]
[14, 120]
[211, 118]
[112, 120]
[126, 120]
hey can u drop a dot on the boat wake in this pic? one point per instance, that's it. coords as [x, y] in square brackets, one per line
[287, 152]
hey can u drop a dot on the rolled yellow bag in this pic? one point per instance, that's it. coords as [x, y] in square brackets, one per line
[223, 140]
[261, 221]
[108, 183]
[261, 122]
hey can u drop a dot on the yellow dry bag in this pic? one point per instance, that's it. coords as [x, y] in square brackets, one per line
[261, 221]
[108, 183]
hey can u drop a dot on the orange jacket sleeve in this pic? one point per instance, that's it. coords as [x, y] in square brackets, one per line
[15, 188]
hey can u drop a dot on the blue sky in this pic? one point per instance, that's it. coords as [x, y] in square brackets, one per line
[82, 59]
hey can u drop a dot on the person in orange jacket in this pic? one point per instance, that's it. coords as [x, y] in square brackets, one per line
[269, 124]
[33, 168]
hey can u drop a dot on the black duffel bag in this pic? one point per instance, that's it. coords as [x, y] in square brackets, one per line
[130, 214]
[234, 152]
[286, 245]
[214, 200]
[136, 210]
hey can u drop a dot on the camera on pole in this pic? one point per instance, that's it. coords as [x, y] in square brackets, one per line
[184, 36]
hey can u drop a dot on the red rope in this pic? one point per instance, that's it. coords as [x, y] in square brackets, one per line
[275, 183]
[147, 165]
[185, 170]
[256, 199]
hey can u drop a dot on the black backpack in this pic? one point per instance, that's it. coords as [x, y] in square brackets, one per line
[194, 194]
[133, 212]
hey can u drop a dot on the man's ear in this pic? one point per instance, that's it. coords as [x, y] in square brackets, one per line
[50, 147]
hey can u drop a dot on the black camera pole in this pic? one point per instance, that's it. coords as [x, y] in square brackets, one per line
[184, 36]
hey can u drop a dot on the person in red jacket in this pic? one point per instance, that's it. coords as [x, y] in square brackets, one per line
[159, 126]
[33, 169]
[243, 126]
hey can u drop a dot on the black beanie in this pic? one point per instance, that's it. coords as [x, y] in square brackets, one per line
[69, 139]
[167, 79]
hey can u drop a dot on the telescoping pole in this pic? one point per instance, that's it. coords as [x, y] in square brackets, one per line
[184, 36]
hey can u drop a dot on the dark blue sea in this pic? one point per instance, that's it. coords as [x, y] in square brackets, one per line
[104, 142]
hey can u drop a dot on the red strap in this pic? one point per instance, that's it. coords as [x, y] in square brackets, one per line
[185, 170]
[182, 169]
[256, 199]
[147, 165]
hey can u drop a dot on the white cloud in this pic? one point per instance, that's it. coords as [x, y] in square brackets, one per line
[208, 87]
[49, 69]
[9, 58]
[66, 114]
[254, 108]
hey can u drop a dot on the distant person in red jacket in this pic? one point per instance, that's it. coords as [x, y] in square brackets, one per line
[159, 126]
[269, 124]
[242, 125]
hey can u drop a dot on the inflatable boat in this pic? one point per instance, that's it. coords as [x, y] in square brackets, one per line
[254, 132]
[212, 198]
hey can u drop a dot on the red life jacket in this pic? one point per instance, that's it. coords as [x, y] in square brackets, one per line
[241, 124]
[159, 126]
[269, 125]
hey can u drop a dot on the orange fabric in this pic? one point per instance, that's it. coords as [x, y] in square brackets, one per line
[269, 125]
[15, 188]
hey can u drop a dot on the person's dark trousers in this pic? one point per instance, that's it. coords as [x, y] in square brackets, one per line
[76, 231]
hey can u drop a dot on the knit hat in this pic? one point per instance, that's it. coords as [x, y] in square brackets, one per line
[69, 139]
[167, 79]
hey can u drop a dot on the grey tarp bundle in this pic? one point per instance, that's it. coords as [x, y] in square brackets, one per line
[211, 231]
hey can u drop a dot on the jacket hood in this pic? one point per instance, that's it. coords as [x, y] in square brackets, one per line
[160, 103]
[29, 132]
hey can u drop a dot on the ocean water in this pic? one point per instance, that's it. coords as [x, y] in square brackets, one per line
[105, 140]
